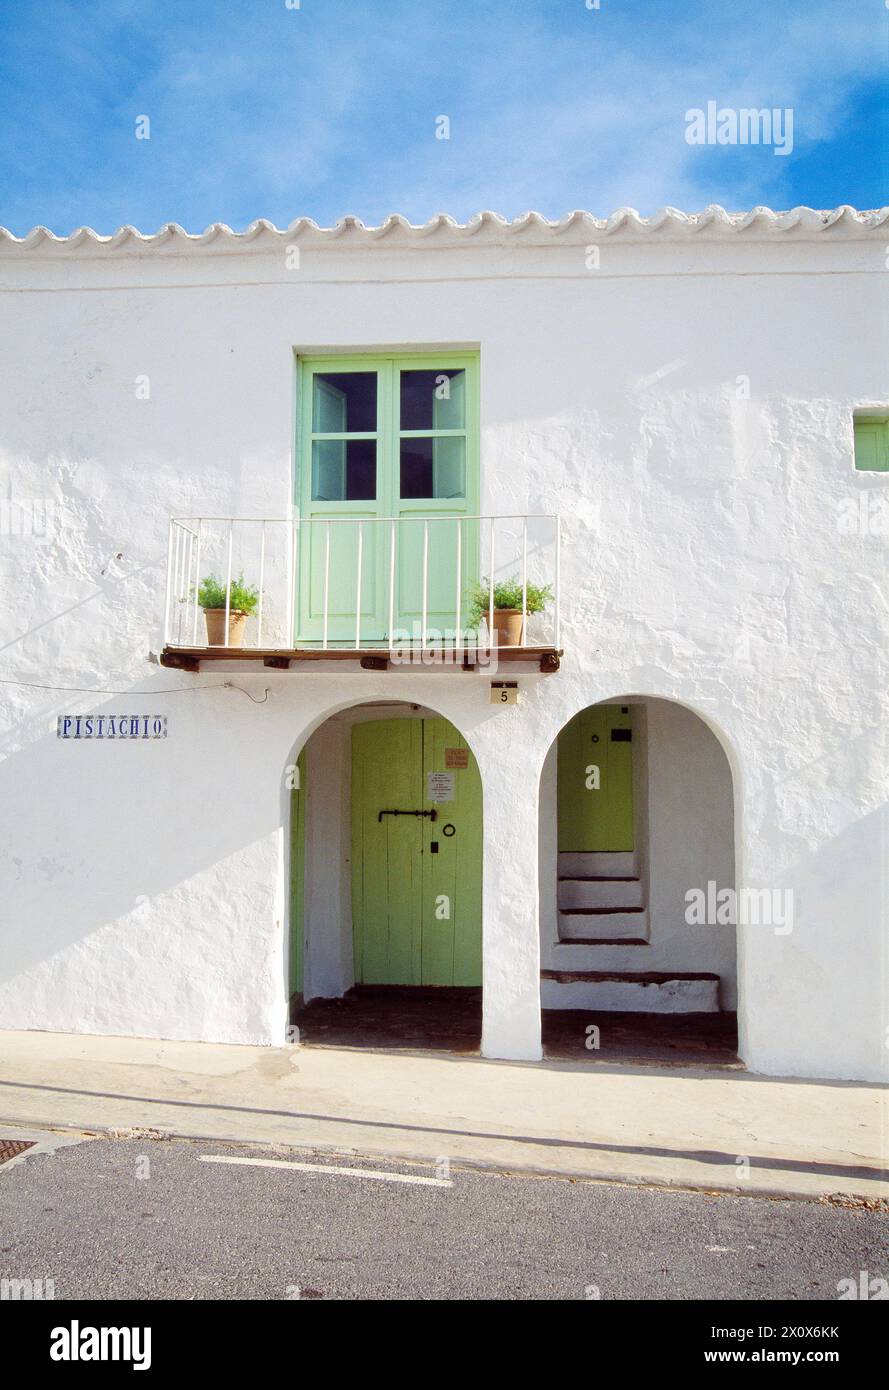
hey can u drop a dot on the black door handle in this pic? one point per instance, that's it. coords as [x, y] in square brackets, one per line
[431, 815]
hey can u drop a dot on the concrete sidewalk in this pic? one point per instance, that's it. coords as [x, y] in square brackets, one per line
[682, 1127]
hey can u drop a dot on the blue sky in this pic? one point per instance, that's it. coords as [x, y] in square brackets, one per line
[259, 110]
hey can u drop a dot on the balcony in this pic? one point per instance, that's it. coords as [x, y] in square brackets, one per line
[380, 593]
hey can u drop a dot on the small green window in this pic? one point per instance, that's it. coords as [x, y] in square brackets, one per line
[872, 445]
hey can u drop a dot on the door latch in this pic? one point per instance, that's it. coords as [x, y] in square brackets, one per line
[431, 815]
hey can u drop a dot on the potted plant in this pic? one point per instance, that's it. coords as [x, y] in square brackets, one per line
[242, 602]
[508, 614]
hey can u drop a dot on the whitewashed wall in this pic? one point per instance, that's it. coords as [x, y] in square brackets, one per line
[144, 883]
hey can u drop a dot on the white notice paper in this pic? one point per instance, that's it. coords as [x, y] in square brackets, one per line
[439, 786]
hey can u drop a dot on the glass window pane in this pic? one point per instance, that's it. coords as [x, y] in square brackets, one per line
[344, 470]
[344, 402]
[433, 400]
[433, 467]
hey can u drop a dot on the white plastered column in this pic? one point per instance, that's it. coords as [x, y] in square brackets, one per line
[511, 934]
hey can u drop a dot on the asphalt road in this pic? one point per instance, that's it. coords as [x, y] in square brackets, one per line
[109, 1219]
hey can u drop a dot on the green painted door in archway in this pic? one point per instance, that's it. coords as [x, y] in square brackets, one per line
[416, 881]
[595, 781]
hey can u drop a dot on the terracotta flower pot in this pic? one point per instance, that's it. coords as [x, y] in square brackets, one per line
[215, 619]
[508, 626]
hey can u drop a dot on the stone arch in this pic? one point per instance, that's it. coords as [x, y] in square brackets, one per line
[686, 834]
[325, 922]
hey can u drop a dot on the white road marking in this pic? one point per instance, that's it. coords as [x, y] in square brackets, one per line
[328, 1168]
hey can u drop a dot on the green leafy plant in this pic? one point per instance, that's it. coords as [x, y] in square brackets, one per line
[211, 594]
[507, 594]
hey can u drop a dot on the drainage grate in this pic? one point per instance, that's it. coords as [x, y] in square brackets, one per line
[10, 1148]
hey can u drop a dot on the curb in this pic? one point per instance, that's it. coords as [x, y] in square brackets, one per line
[493, 1167]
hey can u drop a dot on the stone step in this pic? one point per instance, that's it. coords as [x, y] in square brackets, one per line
[598, 924]
[606, 893]
[611, 863]
[601, 941]
[596, 955]
[619, 991]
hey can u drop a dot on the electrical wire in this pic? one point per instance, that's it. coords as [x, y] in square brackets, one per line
[172, 690]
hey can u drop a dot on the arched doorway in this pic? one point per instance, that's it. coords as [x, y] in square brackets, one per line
[386, 863]
[637, 829]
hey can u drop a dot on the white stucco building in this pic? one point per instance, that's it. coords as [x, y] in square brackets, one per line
[654, 419]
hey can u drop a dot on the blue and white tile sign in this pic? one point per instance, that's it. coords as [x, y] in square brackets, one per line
[112, 726]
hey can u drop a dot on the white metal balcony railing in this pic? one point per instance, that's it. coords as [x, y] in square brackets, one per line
[362, 582]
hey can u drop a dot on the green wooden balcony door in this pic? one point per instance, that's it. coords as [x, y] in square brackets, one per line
[385, 440]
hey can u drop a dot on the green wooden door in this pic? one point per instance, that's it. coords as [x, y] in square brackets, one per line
[387, 462]
[595, 781]
[452, 877]
[416, 883]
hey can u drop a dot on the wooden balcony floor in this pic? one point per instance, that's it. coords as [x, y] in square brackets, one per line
[185, 658]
